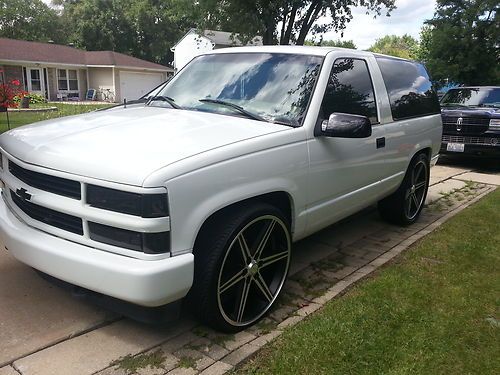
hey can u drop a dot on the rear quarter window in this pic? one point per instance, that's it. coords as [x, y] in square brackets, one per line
[410, 90]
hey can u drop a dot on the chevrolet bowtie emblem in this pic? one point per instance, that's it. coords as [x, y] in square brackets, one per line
[23, 194]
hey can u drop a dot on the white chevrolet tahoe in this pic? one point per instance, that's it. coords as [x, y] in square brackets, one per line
[201, 191]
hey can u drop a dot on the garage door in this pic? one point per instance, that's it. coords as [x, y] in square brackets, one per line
[135, 85]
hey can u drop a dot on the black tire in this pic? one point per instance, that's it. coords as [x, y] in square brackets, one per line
[229, 272]
[404, 206]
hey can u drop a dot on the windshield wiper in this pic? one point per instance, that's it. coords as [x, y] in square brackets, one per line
[234, 106]
[163, 98]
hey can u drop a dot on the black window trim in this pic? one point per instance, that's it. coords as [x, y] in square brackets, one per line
[371, 83]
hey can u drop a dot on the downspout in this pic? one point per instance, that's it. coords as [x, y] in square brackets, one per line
[114, 83]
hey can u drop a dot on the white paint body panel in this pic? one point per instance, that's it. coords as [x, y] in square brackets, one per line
[190, 46]
[207, 162]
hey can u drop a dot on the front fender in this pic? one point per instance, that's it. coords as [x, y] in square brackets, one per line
[197, 195]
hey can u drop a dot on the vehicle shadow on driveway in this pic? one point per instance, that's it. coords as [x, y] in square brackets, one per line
[475, 163]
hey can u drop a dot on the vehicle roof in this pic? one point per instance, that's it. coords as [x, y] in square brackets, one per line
[299, 50]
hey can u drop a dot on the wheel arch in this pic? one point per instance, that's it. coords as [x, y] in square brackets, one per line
[279, 199]
[427, 151]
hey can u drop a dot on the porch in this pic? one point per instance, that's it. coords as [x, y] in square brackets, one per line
[53, 83]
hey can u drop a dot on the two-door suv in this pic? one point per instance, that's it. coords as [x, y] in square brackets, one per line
[201, 191]
[471, 121]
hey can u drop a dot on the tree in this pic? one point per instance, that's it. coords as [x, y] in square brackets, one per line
[296, 18]
[463, 45]
[30, 20]
[401, 46]
[332, 43]
[423, 50]
[142, 28]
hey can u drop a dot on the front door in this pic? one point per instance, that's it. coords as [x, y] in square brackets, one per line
[35, 80]
[345, 172]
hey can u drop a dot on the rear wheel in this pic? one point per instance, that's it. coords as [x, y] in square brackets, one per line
[405, 205]
[241, 264]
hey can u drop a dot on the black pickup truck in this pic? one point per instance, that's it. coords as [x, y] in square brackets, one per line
[471, 121]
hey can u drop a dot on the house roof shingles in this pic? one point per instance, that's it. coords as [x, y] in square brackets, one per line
[22, 50]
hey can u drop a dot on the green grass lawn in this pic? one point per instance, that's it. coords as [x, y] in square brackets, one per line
[434, 311]
[23, 118]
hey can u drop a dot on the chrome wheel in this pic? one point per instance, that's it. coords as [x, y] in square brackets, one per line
[253, 270]
[415, 194]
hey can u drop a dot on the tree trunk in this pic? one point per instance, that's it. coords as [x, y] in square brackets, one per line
[285, 39]
[309, 19]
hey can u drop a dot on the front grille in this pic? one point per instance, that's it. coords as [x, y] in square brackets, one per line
[145, 205]
[46, 215]
[470, 125]
[471, 140]
[52, 184]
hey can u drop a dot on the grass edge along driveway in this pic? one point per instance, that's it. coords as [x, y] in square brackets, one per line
[63, 109]
[435, 310]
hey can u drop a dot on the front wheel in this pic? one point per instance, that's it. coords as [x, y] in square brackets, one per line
[241, 263]
[404, 206]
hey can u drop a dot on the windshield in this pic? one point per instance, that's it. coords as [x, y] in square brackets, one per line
[472, 97]
[270, 86]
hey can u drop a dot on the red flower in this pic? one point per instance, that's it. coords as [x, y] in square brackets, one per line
[7, 93]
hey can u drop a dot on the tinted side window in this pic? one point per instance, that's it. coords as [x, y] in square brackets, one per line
[350, 90]
[410, 90]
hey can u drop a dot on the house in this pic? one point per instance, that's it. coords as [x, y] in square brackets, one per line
[61, 72]
[194, 43]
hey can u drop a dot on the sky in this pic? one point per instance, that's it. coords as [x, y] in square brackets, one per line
[364, 30]
[407, 18]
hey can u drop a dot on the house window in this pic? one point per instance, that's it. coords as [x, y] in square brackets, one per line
[67, 80]
[36, 83]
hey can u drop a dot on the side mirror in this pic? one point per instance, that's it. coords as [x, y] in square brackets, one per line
[344, 125]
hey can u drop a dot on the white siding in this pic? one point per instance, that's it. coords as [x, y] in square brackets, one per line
[100, 78]
[190, 46]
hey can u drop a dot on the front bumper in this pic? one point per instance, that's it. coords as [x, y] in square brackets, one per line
[143, 282]
[487, 144]
[471, 149]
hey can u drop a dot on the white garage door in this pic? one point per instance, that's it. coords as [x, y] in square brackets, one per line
[135, 85]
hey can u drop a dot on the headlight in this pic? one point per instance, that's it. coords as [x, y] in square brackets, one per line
[144, 205]
[495, 124]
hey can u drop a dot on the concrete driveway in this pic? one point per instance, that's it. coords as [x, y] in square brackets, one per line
[35, 316]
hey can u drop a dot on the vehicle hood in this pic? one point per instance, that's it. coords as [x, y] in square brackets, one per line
[125, 145]
[489, 112]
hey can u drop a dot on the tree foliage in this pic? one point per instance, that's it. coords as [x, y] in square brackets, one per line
[142, 28]
[30, 20]
[400, 46]
[332, 43]
[283, 21]
[462, 43]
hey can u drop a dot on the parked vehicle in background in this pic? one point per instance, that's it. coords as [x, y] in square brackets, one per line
[471, 121]
[201, 191]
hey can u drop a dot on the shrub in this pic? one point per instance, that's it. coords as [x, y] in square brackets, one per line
[34, 98]
[8, 92]
[37, 98]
